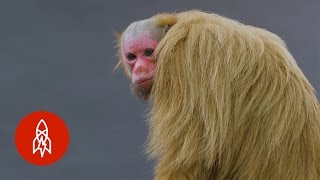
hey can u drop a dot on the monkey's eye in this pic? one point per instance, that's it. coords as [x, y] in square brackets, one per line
[131, 56]
[167, 27]
[148, 52]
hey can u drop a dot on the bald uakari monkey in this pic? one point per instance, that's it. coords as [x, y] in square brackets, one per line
[227, 100]
[138, 44]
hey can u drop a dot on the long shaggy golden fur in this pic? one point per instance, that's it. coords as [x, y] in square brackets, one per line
[230, 102]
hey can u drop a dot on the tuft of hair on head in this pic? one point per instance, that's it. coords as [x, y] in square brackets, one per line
[118, 45]
[120, 63]
[165, 19]
[117, 35]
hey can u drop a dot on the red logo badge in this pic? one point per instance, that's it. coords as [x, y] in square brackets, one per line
[42, 138]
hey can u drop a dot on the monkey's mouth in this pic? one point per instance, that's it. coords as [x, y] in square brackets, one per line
[144, 82]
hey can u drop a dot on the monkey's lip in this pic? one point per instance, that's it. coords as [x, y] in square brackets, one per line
[143, 82]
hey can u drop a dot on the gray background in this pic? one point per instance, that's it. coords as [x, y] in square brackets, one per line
[59, 56]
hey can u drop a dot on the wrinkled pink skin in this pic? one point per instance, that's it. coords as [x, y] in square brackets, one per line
[143, 67]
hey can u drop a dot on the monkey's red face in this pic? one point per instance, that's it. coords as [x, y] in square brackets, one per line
[139, 42]
[138, 54]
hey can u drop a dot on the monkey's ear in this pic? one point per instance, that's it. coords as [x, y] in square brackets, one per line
[165, 20]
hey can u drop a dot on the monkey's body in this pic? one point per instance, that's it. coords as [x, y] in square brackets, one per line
[228, 101]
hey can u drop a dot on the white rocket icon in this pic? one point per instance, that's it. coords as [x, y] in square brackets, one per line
[42, 142]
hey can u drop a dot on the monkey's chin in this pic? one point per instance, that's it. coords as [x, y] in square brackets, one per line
[142, 92]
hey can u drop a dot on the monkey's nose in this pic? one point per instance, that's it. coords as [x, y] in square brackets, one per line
[140, 70]
[140, 67]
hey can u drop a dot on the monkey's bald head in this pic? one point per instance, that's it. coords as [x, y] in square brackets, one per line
[138, 44]
[146, 27]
